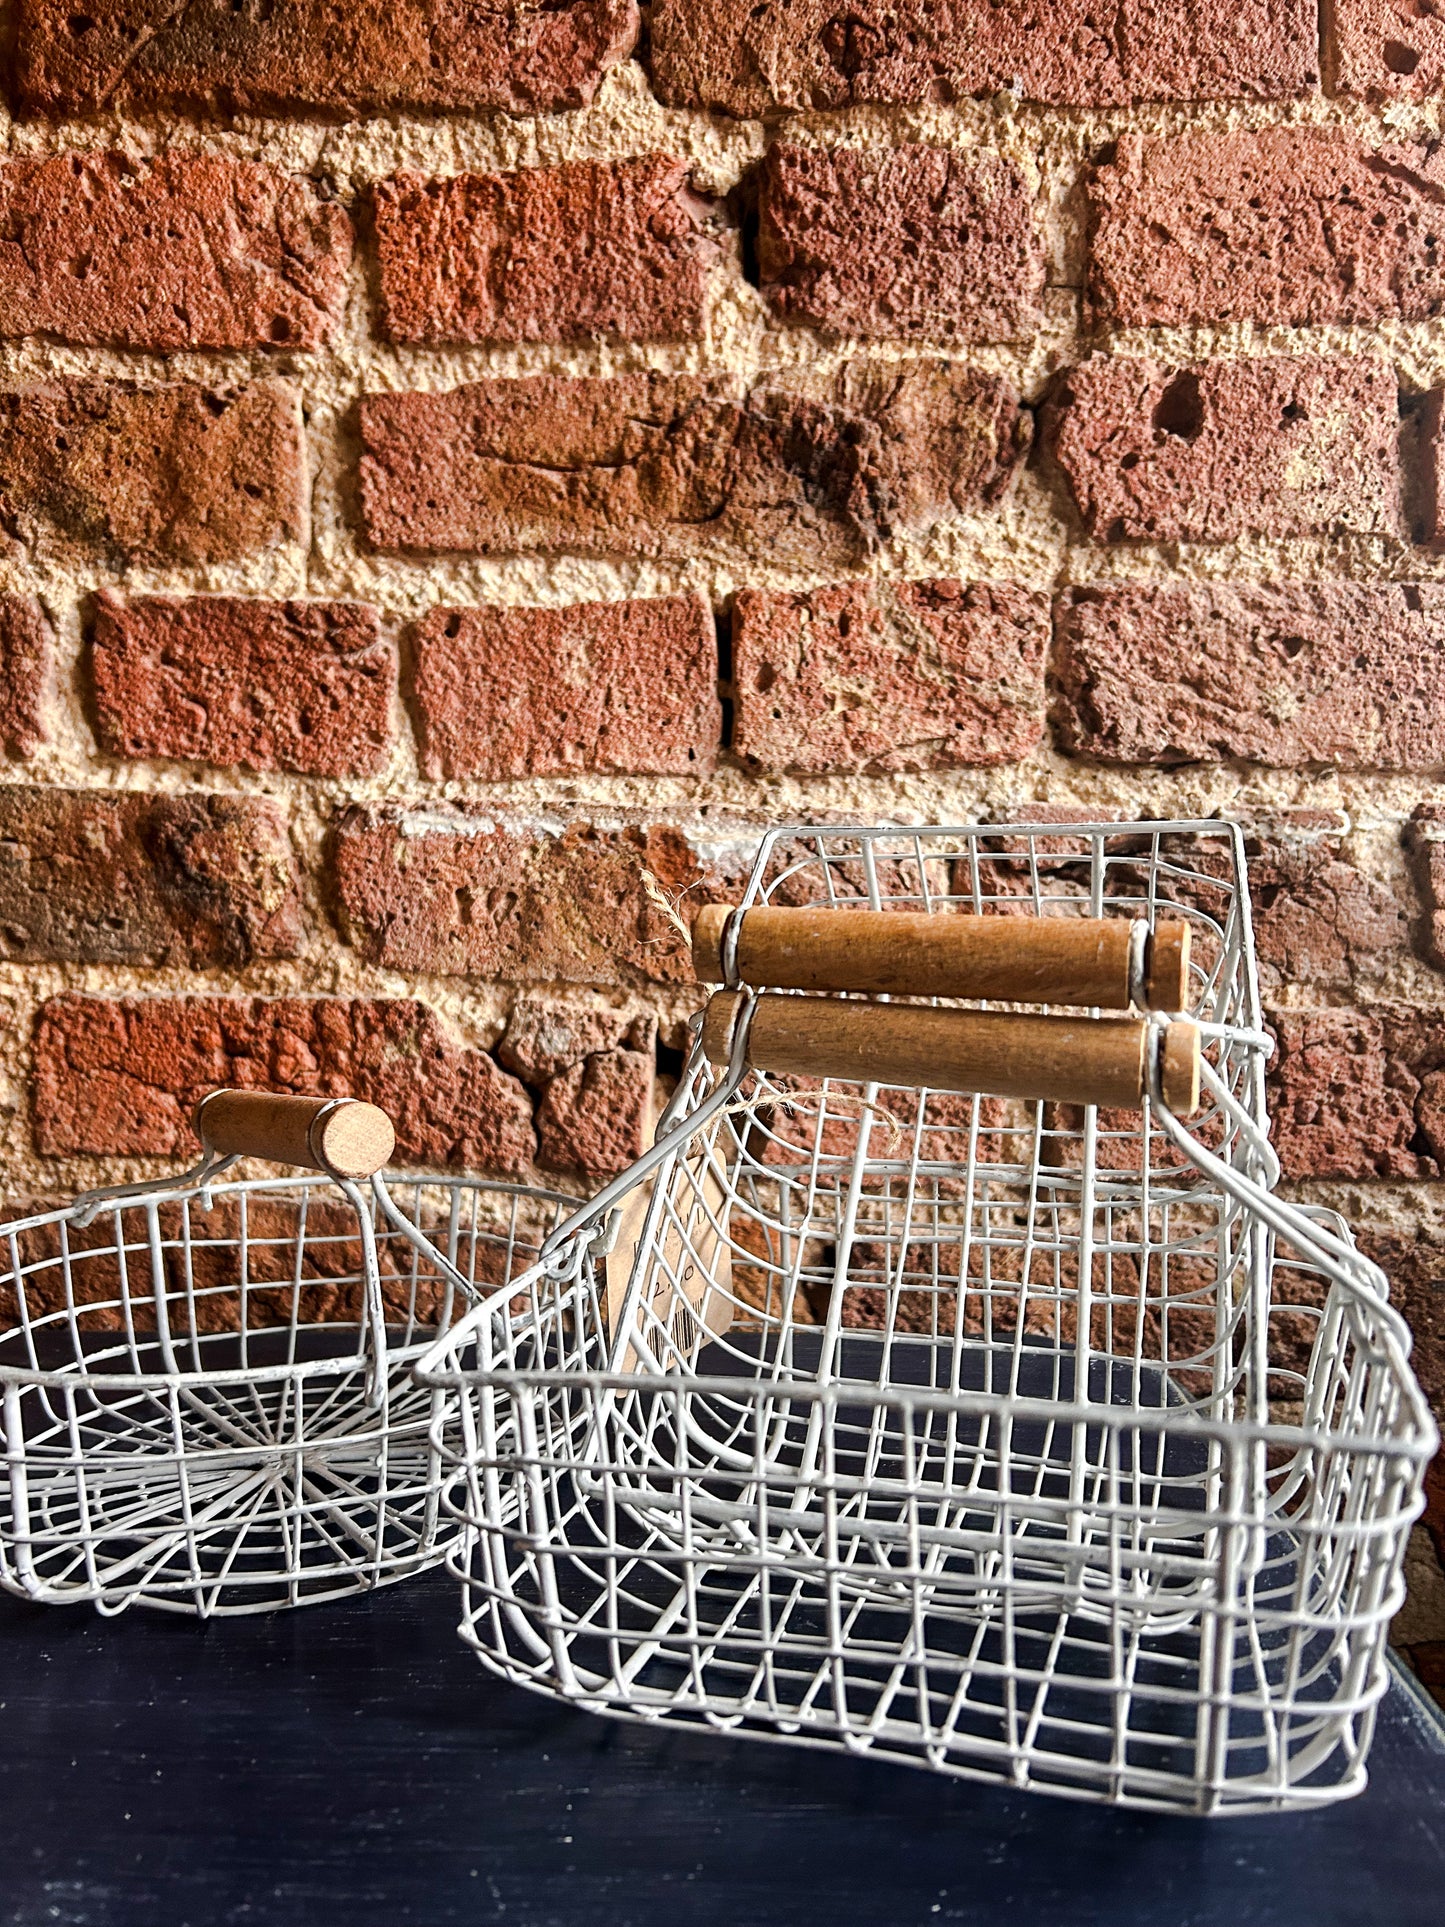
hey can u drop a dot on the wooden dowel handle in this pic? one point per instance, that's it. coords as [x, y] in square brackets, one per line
[1074, 1060]
[341, 1136]
[909, 953]
[1166, 967]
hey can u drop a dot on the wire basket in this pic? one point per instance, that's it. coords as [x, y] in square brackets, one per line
[929, 1390]
[208, 1405]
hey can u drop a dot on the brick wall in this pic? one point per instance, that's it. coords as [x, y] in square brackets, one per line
[455, 461]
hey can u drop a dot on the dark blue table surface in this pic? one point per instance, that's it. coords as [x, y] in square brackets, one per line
[355, 1764]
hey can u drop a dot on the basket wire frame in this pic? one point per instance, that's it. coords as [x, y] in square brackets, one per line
[207, 1398]
[1020, 1443]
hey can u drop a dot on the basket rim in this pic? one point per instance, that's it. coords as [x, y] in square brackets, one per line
[342, 1365]
[1419, 1442]
[299, 1180]
[1224, 825]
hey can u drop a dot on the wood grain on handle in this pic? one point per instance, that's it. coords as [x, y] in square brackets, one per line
[910, 953]
[1166, 967]
[1074, 1060]
[341, 1136]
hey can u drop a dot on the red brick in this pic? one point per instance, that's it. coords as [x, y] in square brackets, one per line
[185, 251]
[1351, 673]
[1272, 446]
[119, 1077]
[518, 901]
[1285, 225]
[674, 466]
[161, 475]
[794, 876]
[627, 687]
[594, 1067]
[545, 1037]
[748, 60]
[889, 676]
[549, 254]
[913, 243]
[27, 674]
[1359, 1094]
[1320, 921]
[1064, 815]
[522, 900]
[105, 877]
[1018, 869]
[1422, 454]
[1385, 49]
[213, 56]
[596, 1117]
[1328, 918]
[1415, 1267]
[1424, 840]
[303, 686]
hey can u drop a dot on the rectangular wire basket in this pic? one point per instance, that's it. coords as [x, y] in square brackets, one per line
[1014, 1439]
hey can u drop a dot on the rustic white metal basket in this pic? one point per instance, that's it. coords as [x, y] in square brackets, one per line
[208, 1405]
[1024, 1435]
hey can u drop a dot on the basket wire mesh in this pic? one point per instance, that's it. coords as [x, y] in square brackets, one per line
[1018, 1440]
[207, 1398]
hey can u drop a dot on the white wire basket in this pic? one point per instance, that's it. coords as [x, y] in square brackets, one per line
[208, 1404]
[929, 1390]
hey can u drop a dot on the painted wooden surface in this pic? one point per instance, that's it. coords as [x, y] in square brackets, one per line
[353, 1766]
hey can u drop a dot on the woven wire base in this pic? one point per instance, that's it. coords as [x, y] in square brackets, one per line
[1043, 1700]
[230, 1497]
[996, 1589]
[188, 1422]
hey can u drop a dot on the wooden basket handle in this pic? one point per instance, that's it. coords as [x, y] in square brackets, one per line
[340, 1136]
[1073, 1060]
[1089, 961]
